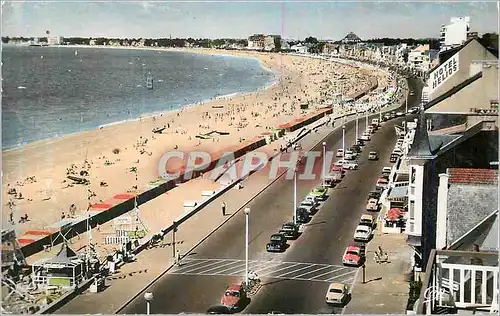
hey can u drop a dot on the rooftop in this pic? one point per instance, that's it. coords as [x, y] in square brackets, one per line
[473, 176]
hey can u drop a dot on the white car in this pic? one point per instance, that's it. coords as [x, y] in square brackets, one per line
[397, 151]
[347, 164]
[349, 155]
[365, 137]
[313, 199]
[400, 114]
[337, 294]
[308, 205]
[340, 153]
[372, 205]
[363, 233]
[387, 169]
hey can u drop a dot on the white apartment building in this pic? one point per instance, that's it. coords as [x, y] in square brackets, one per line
[419, 58]
[455, 33]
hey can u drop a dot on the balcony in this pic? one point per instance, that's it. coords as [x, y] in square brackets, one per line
[459, 280]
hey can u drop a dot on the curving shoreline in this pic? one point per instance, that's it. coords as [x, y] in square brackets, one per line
[243, 116]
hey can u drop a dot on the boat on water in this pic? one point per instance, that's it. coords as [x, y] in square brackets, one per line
[76, 52]
[149, 81]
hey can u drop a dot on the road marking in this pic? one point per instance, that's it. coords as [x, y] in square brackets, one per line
[210, 264]
[297, 271]
[182, 267]
[316, 270]
[224, 265]
[326, 273]
[286, 267]
[306, 267]
[337, 276]
[272, 266]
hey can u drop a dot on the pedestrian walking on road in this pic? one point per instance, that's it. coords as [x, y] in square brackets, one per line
[178, 258]
[223, 208]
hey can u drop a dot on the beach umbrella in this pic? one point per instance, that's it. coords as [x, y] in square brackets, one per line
[394, 214]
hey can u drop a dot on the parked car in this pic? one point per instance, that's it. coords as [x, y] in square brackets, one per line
[362, 233]
[398, 114]
[373, 155]
[375, 194]
[218, 309]
[347, 164]
[309, 206]
[333, 177]
[386, 117]
[277, 243]
[382, 183]
[302, 215]
[367, 220]
[314, 199]
[412, 93]
[320, 192]
[387, 169]
[365, 137]
[376, 121]
[289, 230]
[349, 155]
[353, 256]
[397, 151]
[360, 142]
[372, 205]
[233, 297]
[356, 148]
[337, 294]
[340, 153]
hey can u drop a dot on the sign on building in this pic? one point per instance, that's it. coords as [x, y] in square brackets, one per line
[443, 72]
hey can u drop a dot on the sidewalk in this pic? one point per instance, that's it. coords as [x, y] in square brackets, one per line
[385, 290]
[133, 277]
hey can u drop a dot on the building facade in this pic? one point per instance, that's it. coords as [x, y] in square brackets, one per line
[455, 33]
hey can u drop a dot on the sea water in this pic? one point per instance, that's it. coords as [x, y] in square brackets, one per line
[49, 92]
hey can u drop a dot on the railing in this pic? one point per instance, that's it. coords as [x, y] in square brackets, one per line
[448, 282]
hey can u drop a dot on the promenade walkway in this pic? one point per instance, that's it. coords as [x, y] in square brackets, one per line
[133, 277]
[385, 290]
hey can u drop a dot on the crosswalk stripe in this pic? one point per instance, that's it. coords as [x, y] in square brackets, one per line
[326, 273]
[183, 267]
[272, 266]
[338, 276]
[229, 269]
[210, 264]
[306, 267]
[286, 267]
[217, 267]
[309, 272]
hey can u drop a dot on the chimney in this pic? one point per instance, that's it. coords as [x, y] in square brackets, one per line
[442, 211]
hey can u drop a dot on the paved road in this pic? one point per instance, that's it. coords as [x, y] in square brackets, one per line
[294, 281]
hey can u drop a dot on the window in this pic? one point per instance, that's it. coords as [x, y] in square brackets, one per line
[412, 210]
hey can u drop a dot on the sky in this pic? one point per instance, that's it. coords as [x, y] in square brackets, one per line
[239, 19]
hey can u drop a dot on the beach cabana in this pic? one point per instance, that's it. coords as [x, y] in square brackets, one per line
[65, 270]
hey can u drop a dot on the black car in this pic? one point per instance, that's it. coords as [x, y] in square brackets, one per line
[218, 309]
[302, 216]
[375, 194]
[289, 230]
[356, 149]
[277, 243]
[360, 142]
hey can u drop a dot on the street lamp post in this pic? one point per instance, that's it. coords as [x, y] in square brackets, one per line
[324, 159]
[357, 132]
[366, 117]
[247, 213]
[148, 296]
[343, 140]
[295, 196]
[406, 109]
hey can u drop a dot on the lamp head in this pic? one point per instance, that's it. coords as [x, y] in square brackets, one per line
[247, 210]
[324, 143]
[148, 296]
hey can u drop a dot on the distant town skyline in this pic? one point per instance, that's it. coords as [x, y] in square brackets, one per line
[229, 19]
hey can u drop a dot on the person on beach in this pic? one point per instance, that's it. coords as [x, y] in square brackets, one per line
[178, 258]
[223, 208]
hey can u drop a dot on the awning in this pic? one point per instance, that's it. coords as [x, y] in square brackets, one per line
[415, 241]
[394, 214]
[398, 194]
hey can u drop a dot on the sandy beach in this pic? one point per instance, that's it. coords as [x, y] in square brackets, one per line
[124, 157]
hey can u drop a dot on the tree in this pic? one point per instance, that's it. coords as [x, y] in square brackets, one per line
[5, 39]
[311, 40]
